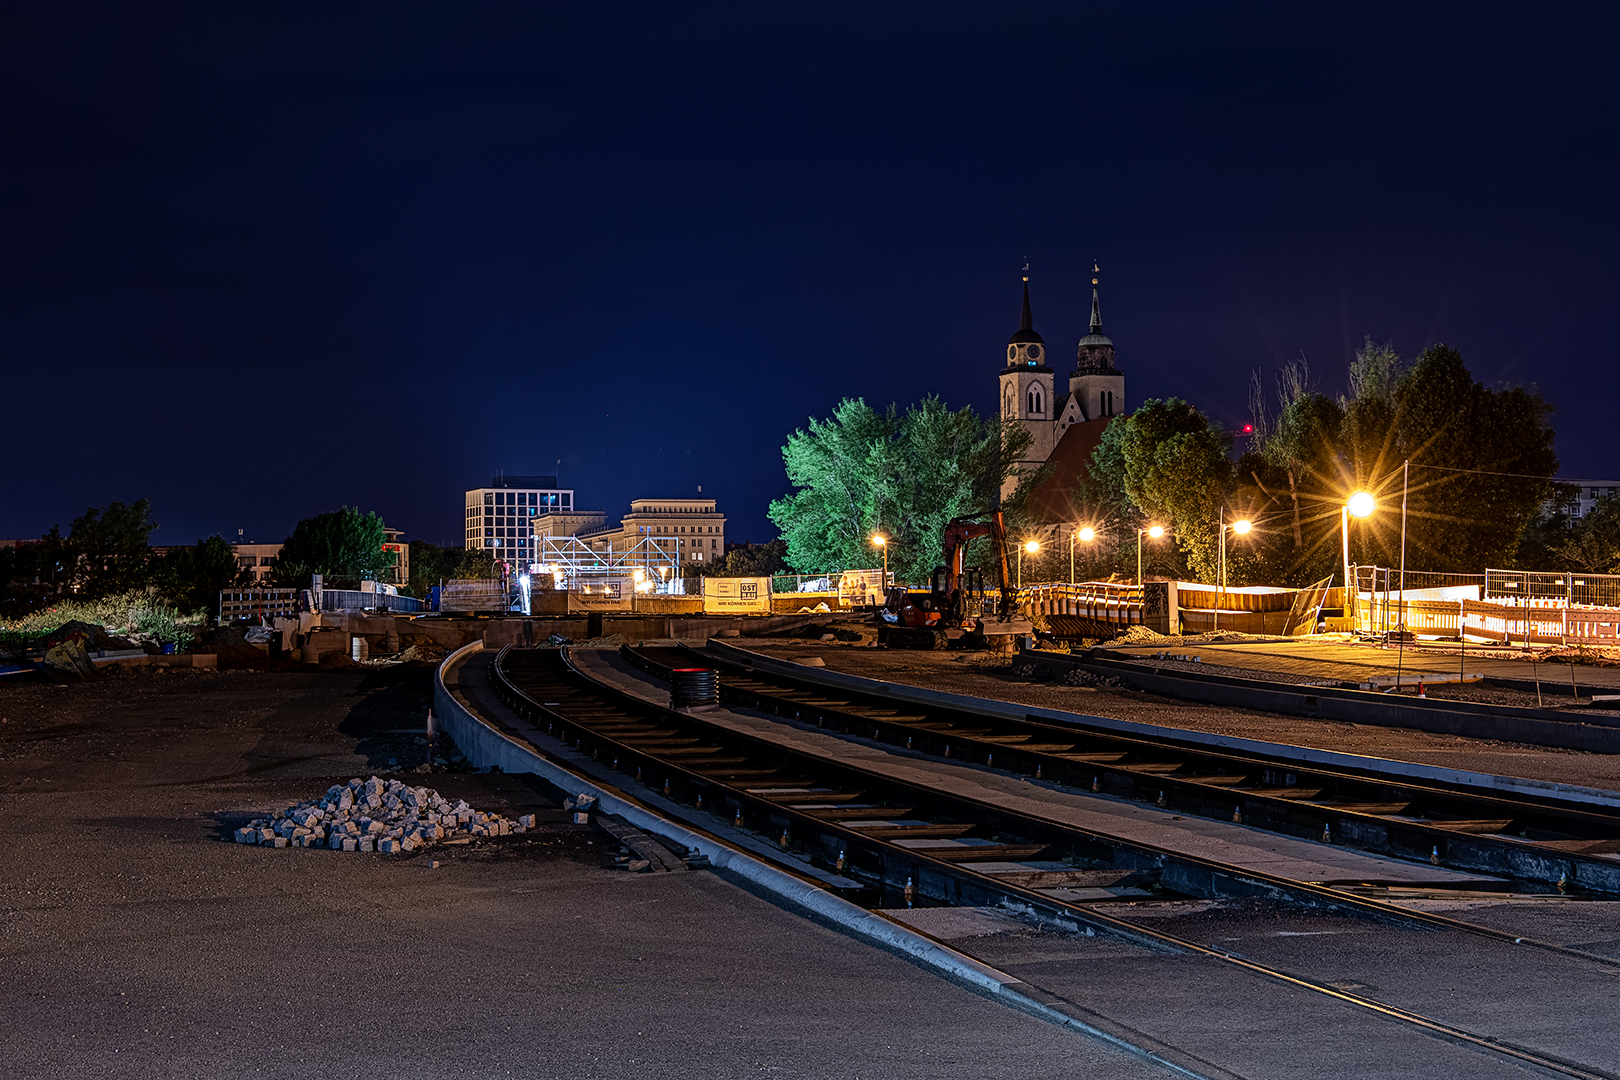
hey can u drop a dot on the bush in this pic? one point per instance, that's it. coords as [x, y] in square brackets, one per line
[163, 625]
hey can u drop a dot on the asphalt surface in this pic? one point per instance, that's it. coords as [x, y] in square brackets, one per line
[136, 940]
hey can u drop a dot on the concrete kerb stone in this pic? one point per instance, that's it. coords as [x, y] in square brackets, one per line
[484, 746]
[1570, 793]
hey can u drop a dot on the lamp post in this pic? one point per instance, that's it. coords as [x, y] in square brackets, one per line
[883, 545]
[1361, 505]
[1241, 527]
[1088, 534]
[1030, 546]
[1155, 531]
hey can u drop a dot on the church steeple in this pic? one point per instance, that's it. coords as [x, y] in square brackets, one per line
[1096, 306]
[1026, 347]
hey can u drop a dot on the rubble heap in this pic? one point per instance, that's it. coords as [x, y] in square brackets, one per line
[377, 815]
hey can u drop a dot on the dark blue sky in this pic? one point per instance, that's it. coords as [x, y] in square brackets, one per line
[260, 262]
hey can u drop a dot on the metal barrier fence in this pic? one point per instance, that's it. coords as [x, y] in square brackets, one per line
[355, 600]
[1543, 588]
[473, 594]
[1506, 606]
[258, 604]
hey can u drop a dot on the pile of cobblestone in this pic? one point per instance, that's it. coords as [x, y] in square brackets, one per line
[377, 815]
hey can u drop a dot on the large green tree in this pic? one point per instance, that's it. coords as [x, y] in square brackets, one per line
[862, 472]
[193, 577]
[344, 546]
[111, 547]
[1481, 461]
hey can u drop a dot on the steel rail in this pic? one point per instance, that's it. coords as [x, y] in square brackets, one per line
[1285, 805]
[959, 884]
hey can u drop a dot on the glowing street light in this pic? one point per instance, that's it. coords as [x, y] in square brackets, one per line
[1153, 531]
[1030, 546]
[1361, 504]
[1085, 533]
[1241, 527]
[883, 543]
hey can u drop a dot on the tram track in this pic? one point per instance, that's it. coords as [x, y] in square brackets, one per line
[1537, 842]
[897, 840]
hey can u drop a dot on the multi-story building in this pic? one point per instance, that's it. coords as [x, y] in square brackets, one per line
[561, 524]
[501, 517]
[259, 560]
[698, 528]
[1587, 492]
[400, 573]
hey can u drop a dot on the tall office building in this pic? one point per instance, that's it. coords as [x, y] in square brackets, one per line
[500, 517]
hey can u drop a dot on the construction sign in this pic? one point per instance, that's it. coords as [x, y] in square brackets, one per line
[611, 594]
[737, 596]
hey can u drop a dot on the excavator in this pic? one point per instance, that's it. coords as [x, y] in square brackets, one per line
[950, 610]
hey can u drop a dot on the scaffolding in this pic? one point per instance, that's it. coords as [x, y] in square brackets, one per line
[653, 563]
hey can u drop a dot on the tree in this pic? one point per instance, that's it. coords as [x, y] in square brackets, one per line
[1482, 463]
[344, 545]
[432, 564]
[1175, 470]
[1456, 434]
[754, 560]
[193, 577]
[862, 472]
[111, 548]
[34, 575]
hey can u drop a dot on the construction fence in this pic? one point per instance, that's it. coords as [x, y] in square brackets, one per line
[1508, 607]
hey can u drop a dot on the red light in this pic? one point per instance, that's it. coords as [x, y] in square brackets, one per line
[1248, 429]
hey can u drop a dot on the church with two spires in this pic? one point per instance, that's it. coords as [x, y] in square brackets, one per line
[1064, 428]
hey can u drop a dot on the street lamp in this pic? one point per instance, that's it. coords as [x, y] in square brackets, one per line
[1030, 546]
[883, 544]
[1088, 534]
[1361, 505]
[1154, 531]
[1241, 527]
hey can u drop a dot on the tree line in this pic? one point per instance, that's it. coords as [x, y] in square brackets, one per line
[107, 552]
[1478, 489]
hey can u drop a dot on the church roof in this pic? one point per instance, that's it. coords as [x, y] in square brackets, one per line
[1071, 463]
[1026, 325]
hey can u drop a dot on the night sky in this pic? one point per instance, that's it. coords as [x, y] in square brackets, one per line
[261, 262]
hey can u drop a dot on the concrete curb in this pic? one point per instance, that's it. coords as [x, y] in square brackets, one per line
[483, 745]
[1568, 793]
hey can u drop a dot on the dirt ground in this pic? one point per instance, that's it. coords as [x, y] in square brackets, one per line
[982, 675]
[136, 940]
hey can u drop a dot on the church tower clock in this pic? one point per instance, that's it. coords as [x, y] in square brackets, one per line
[1026, 393]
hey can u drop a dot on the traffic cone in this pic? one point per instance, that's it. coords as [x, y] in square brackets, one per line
[1422, 691]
